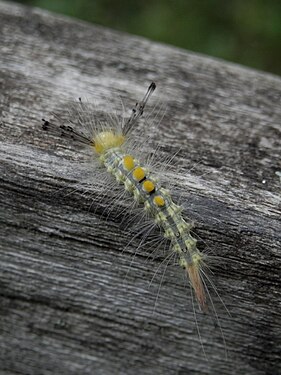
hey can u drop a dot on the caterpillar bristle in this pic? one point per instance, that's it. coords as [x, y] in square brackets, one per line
[193, 273]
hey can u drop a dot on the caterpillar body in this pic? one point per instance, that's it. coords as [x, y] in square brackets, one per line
[109, 144]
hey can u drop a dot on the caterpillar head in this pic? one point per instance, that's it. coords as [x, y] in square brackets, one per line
[106, 140]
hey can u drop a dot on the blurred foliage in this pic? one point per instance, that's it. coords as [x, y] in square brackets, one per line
[244, 31]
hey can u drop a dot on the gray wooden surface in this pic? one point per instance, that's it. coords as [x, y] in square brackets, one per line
[74, 299]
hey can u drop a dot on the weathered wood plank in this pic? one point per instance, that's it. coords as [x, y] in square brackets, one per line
[73, 301]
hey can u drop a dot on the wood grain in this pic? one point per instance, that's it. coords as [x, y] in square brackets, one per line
[74, 298]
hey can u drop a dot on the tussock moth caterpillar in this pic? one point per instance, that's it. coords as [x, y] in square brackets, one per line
[109, 141]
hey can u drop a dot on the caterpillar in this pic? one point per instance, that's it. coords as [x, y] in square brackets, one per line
[108, 142]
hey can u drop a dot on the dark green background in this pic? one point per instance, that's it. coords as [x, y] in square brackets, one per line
[243, 31]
